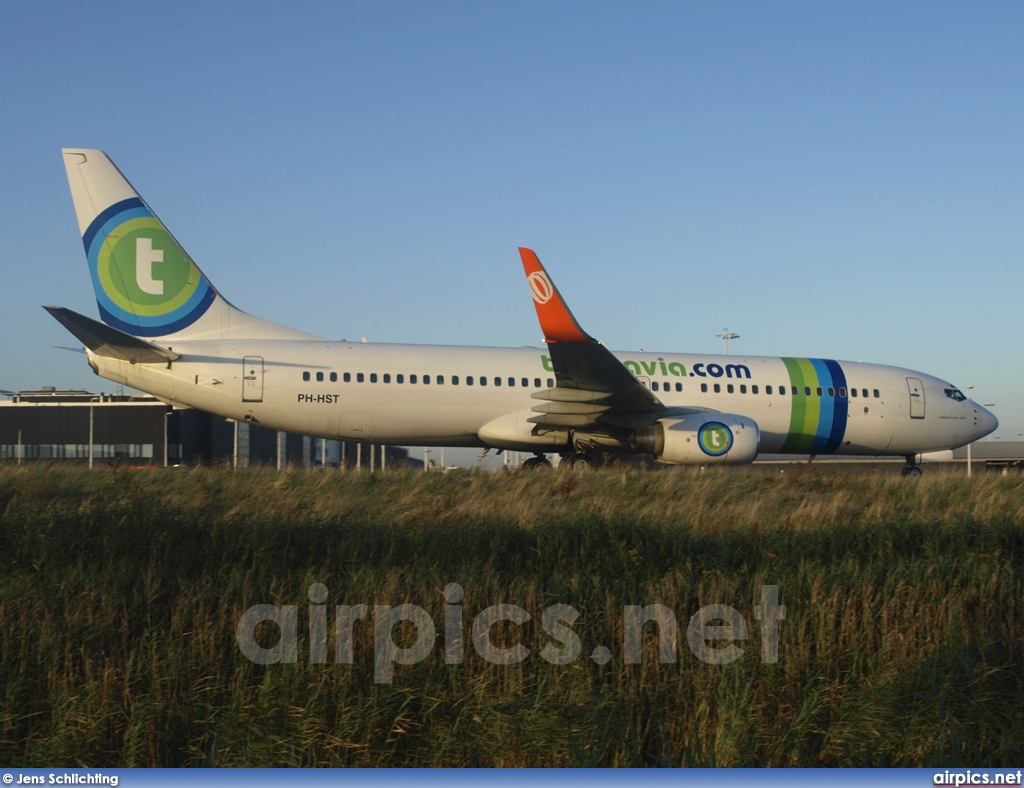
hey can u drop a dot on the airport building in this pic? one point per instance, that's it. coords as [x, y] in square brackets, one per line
[140, 430]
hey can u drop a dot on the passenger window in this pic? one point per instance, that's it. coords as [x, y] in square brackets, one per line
[412, 379]
[831, 391]
[875, 392]
[305, 376]
[526, 383]
[743, 388]
[551, 383]
[455, 379]
[718, 389]
[359, 377]
[334, 377]
[319, 377]
[807, 391]
[347, 377]
[387, 377]
[654, 386]
[373, 377]
[469, 380]
[753, 389]
[767, 390]
[483, 380]
[842, 392]
[679, 386]
[853, 392]
[497, 381]
[704, 388]
[399, 378]
[864, 393]
[536, 383]
[440, 379]
[511, 382]
[426, 379]
[729, 388]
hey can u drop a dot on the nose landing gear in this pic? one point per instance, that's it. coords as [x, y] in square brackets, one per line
[911, 469]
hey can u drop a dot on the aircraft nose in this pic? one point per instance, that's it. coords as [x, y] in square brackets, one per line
[985, 421]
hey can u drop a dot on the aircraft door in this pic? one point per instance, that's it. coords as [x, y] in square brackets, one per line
[252, 379]
[916, 398]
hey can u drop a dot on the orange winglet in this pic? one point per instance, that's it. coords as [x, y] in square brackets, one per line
[556, 321]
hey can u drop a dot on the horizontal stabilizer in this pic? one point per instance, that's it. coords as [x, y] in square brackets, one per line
[103, 340]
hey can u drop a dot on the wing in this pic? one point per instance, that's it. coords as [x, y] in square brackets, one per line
[591, 384]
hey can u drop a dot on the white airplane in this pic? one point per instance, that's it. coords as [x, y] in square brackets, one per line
[166, 330]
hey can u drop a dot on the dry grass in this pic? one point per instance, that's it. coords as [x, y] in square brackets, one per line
[120, 593]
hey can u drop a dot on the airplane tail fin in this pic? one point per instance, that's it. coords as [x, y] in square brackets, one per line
[146, 284]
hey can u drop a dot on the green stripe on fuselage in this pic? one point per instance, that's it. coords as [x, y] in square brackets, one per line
[805, 411]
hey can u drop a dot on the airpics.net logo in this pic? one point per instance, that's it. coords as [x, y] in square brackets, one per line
[712, 633]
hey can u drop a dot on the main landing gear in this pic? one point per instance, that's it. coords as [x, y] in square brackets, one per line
[911, 469]
[538, 463]
[578, 461]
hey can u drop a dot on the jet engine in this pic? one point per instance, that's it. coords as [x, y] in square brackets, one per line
[706, 438]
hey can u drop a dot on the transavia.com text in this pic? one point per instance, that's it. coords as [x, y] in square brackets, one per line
[712, 624]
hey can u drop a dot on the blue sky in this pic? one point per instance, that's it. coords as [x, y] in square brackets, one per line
[842, 180]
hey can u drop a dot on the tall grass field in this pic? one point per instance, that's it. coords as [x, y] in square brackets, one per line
[121, 595]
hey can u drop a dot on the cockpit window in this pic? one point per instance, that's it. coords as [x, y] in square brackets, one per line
[955, 394]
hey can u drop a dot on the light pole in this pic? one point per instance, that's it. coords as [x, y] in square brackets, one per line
[426, 459]
[92, 401]
[726, 334]
[969, 445]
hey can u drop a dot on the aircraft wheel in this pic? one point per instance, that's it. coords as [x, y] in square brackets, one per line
[911, 471]
[538, 463]
[578, 462]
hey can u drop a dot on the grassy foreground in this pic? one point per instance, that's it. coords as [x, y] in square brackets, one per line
[120, 594]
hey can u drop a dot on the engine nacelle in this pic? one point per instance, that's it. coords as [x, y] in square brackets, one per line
[701, 439]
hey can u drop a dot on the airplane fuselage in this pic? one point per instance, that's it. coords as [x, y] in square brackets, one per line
[426, 395]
